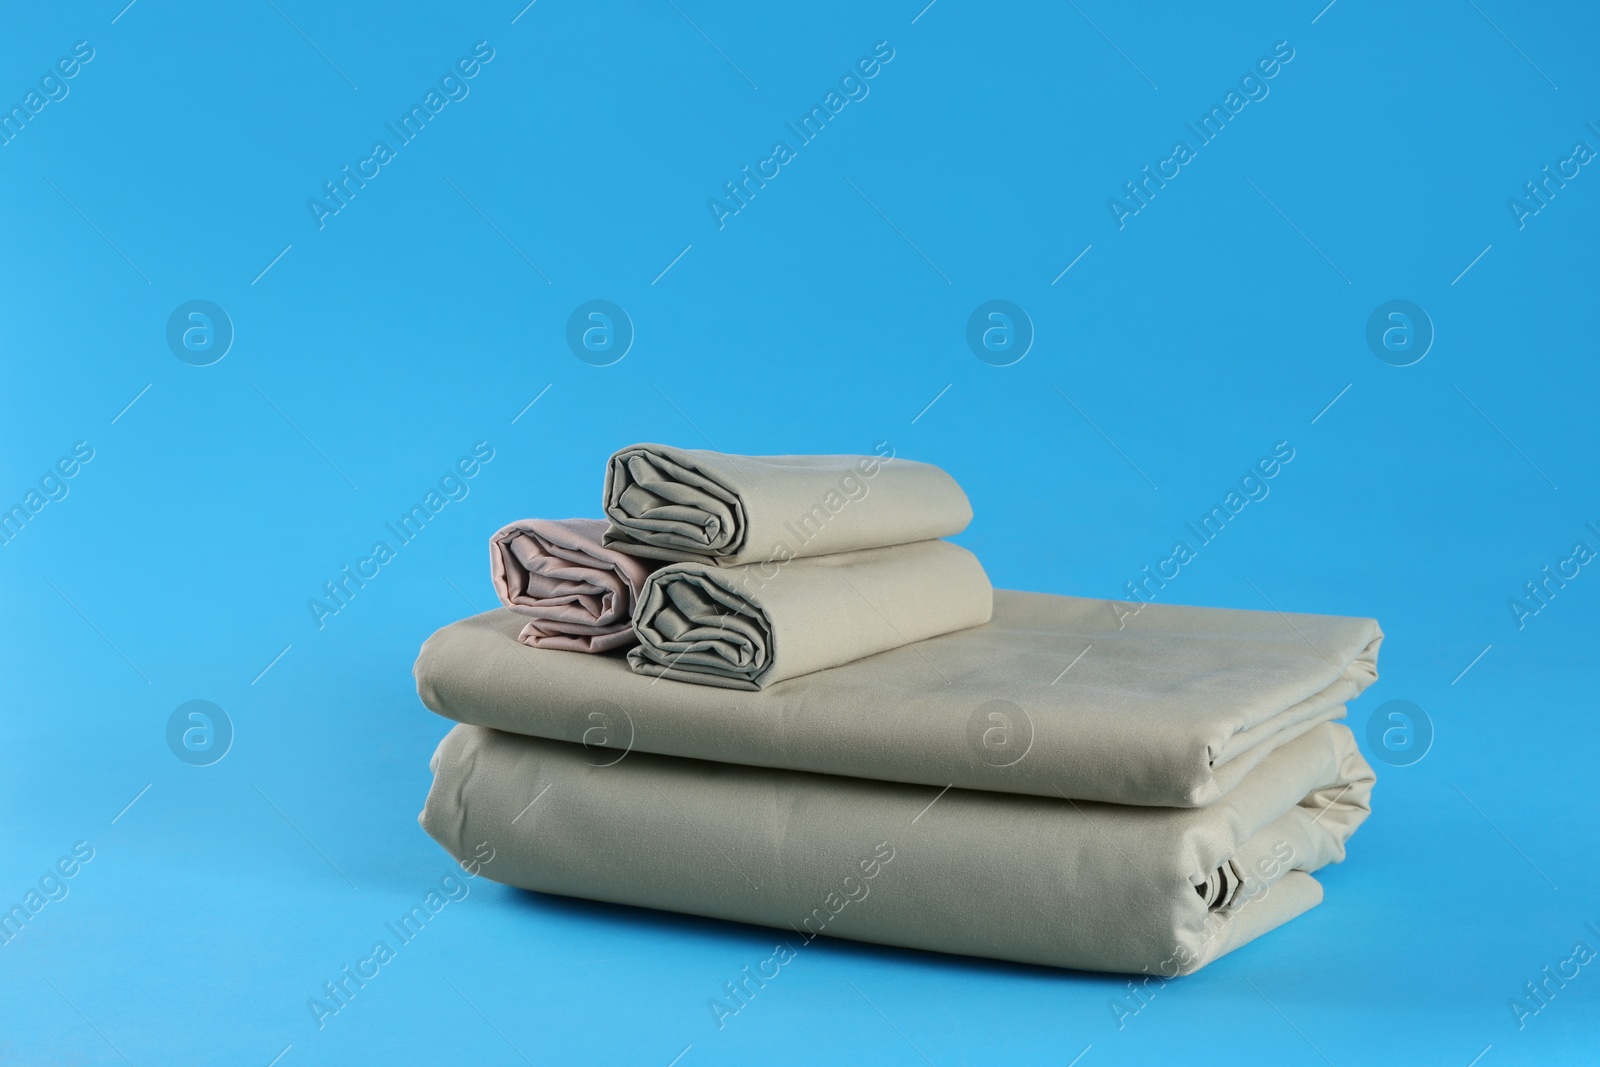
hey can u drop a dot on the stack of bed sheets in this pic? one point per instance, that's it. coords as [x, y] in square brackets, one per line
[765, 690]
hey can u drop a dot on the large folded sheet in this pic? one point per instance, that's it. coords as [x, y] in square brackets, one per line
[1056, 695]
[709, 507]
[576, 594]
[748, 626]
[1037, 880]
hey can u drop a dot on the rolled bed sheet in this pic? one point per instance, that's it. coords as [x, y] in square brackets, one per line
[577, 595]
[1055, 695]
[708, 507]
[1036, 880]
[749, 626]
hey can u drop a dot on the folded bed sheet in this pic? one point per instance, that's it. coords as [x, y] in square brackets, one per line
[708, 507]
[749, 626]
[1168, 706]
[576, 594]
[1036, 880]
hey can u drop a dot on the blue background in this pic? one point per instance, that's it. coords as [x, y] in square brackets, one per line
[825, 316]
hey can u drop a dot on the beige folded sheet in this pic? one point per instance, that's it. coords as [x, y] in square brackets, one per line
[576, 594]
[1032, 879]
[1055, 695]
[748, 626]
[708, 507]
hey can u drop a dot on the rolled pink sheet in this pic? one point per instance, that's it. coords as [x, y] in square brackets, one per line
[578, 595]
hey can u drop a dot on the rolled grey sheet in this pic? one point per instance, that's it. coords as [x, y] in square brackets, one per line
[1166, 706]
[708, 507]
[1036, 880]
[749, 626]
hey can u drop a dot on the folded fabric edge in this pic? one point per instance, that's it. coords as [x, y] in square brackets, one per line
[1275, 864]
[1248, 745]
[617, 534]
[651, 659]
[576, 543]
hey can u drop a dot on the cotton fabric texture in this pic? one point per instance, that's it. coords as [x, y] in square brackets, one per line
[1032, 879]
[690, 505]
[748, 626]
[574, 594]
[1055, 696]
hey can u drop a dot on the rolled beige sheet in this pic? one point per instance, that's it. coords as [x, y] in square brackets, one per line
[708, 507]
[576, 594]
[1096, 887]
[1164, 706]
[749, 626]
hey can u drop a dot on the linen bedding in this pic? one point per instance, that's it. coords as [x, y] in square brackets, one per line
[1056, 696]
[748, 626]
[576, 594]
[692, 505]
[1042, 880]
